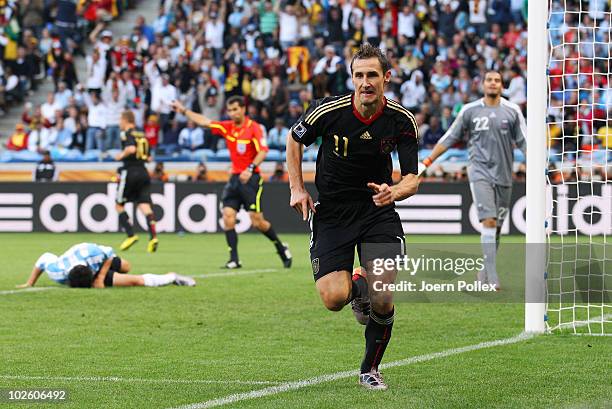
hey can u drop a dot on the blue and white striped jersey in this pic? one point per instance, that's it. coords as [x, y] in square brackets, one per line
[88, 254]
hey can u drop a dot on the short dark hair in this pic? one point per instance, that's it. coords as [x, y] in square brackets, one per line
[367, 51]
[236, 99]
[80, 277]
[491, 71]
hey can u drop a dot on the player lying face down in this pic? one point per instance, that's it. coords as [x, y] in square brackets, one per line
[86, 265]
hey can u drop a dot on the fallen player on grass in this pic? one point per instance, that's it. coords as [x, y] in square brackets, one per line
[87, 265]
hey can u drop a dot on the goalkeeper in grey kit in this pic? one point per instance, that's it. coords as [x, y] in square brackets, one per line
[494, 126]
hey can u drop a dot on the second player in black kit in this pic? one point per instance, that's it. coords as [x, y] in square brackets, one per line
[134, 181]
[355, 207]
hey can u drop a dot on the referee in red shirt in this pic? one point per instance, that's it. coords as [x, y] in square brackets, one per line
[248, 148]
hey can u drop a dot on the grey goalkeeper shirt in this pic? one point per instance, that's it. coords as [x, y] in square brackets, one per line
[492, 132]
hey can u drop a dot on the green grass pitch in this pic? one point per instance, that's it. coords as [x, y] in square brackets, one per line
[171, 346]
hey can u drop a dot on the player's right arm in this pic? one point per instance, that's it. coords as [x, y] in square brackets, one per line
[300, 200]
[34, 275]
[303, 132]
[199, 119]
[98, 282]
[451, 137]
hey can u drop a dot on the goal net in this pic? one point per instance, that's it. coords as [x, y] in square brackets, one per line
[579, 167]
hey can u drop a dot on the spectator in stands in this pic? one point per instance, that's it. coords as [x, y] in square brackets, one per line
[191, 137]
[96, 71]
[162, 94]
[25, 67]
[604, 134]
[12, 87]
[50, 108]
[151, 130]
[214, 27]
[142, 27]
[96, 122]
[413, 91]
[325, 72]
[433, 133]
[158, 174]
[212, 108]
[45, 170]
[277, 137]
[279, 174]
[447, 119]
[115, 104]
[201, 173]
[63, 138]
[38, 140]
[261, 87]
[62, 96]
[517, 89]
[18, 141]
[170, 142]
[66, 24]
[294, 113]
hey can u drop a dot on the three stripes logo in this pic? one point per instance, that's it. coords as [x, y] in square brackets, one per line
[366, 135]
[16, 212]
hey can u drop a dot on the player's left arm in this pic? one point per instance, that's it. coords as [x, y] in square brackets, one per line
[98, 282]
[520, 131]
[261, 146]
[130, 148]
[407, 149]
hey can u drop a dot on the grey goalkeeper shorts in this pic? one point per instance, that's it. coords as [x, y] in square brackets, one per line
[492, 201]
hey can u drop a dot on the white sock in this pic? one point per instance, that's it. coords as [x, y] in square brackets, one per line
[158, 280]
[487, 239]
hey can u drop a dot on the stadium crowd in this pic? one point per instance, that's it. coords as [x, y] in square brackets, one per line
[278, 54]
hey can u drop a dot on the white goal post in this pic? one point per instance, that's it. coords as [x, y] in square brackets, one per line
[568, 284]
[537, 96]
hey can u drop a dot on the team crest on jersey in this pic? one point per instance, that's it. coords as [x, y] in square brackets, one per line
[387, 145]
[299, 130]
[315, 266]
[504, 124]
[241, 148]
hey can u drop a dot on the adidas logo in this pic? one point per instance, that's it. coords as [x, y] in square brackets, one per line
[365, 135]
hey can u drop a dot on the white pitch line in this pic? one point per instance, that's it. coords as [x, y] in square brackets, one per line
[130, 380]
[28, 290]
[288, 386]
[235, 273]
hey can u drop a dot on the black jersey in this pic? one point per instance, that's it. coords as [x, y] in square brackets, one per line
[355, 150]
[134, 137]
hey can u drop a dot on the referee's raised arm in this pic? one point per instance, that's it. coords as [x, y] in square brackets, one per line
[300, 200]
[199, 119]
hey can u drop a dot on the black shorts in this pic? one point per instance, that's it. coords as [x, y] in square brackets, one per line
[134, 185]
[114, 268]
[248, 195]
[338, 228]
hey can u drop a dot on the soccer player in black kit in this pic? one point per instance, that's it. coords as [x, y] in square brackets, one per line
[356, 207]
[134, 181]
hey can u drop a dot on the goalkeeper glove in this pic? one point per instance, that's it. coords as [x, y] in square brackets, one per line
[424, 165]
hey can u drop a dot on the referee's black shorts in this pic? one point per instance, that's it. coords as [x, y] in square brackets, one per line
[337, 228]
[248, 195]
[134, 185]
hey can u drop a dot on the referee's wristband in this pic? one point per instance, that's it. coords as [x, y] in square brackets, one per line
[251, 167]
